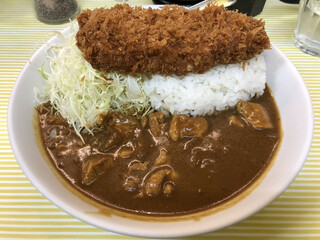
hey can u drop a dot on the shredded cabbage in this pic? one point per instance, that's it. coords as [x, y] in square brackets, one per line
[80, 93]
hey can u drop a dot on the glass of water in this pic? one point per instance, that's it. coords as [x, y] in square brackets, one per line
[307, 32]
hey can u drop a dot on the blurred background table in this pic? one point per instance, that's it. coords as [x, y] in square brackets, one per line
[26, 214]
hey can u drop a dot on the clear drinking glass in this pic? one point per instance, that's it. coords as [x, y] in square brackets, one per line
[307, 32]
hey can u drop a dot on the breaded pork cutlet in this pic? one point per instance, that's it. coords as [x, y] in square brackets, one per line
[171, 40]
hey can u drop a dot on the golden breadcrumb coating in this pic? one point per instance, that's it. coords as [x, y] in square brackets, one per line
[170, 40]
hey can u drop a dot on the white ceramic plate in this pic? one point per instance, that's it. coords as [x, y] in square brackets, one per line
[295, 108]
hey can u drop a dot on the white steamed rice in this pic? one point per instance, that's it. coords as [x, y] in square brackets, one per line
[220, 88]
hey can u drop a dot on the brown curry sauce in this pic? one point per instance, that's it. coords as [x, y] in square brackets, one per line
[166, 165]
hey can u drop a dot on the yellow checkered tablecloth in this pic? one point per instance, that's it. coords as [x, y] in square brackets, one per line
[26, 214]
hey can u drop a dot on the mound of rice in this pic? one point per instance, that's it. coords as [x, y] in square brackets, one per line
[220, 88]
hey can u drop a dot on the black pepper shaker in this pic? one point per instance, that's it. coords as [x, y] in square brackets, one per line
[56, 11]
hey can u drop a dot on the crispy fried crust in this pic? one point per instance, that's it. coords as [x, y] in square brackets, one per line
[171, 40]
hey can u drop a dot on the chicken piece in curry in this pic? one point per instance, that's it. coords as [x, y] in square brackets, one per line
[166, 165]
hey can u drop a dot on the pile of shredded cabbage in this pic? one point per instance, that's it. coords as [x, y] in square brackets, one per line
[80, 93]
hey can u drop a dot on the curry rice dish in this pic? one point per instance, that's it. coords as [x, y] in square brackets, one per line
[161, 163]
